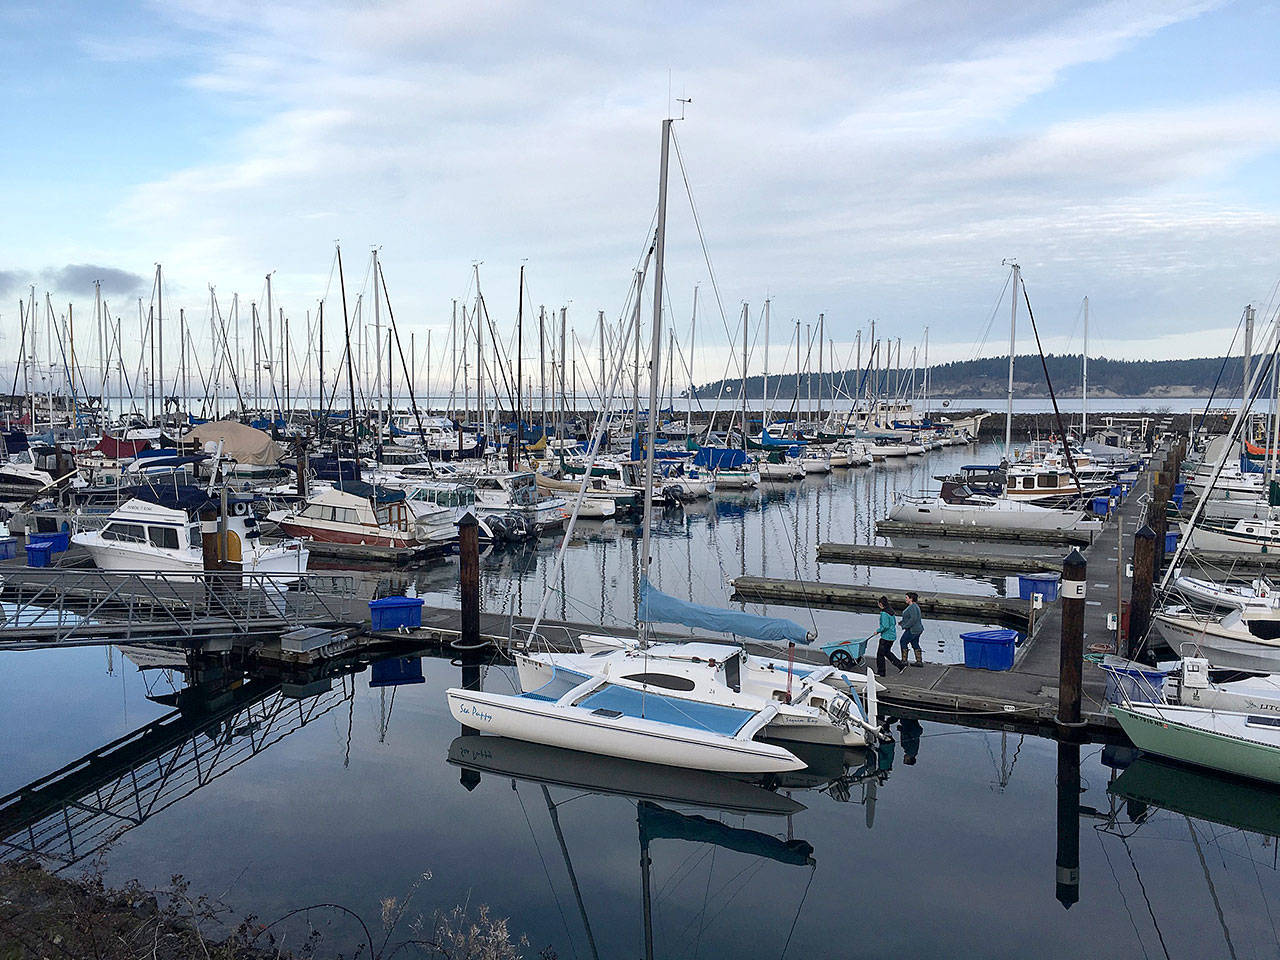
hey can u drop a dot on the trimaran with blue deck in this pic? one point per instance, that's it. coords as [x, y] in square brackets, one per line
[701, 706]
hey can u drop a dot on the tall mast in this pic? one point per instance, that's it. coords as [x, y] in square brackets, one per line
[764, 403]
[1084, 378]
[1013, 331]
[744, 376]
[271, 353]
[822, 336]
[519, 366]
[542, 373]
[600, 323]
[186, 373]
[351, 376]
[655, 350]
[160, 332]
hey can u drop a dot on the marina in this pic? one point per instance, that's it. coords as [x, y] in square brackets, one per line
[456, 504]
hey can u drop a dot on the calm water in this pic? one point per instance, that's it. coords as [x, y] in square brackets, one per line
[338, 788]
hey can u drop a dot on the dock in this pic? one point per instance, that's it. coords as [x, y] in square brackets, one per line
[903, 528]
[871, 555]
[862, 598]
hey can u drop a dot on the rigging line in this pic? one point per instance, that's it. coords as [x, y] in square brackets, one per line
[706, 894]
[986, 333]
[1124, 898]
[796, 919]
[1221, 370]
[1213, 892]
[1143, 887]
[1066, 447]
[551, 885]
[1266, 904]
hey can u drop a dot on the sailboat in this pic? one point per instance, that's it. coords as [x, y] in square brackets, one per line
[684, 705]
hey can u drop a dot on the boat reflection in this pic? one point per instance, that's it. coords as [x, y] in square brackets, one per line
[654, 789]
[1200, 794]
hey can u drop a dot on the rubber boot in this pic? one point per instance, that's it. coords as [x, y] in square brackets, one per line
[919, 658]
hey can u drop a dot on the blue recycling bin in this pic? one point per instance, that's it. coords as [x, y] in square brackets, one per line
[60, 541]
[391, 613]
[39, 554]
[1132, 684]
[8, 548]
[1045, 584]
[1101, 506]
[989, 649]
[1171, 541]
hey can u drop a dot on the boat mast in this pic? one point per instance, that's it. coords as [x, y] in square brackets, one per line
[744, 376]
[655, 350]
[764, 403]
[1084, 378]
[351, 377]
[822, 327]
[1013, 329]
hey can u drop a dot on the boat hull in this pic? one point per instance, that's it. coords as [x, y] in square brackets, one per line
[631, 738]
[1204, 738]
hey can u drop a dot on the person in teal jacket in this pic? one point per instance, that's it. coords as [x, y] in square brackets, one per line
[888, 634]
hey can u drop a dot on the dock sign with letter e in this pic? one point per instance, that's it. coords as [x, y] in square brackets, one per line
[1073, 589]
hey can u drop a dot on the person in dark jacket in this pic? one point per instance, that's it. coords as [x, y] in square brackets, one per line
[912, 628]
[887, 633]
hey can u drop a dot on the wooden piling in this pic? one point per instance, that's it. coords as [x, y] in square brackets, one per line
[1158, 519]
[1071, 650]
[1144, 544]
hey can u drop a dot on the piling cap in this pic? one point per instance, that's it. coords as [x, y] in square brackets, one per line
[468, 519]
[1074, 565]
[1145, 532]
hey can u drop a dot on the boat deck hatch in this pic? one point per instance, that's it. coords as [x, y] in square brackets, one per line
[606, 712]
[1263, 722]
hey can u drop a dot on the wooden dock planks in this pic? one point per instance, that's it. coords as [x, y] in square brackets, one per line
[870, 555]
[902, 528]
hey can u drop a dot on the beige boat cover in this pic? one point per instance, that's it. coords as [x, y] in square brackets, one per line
[241, 442]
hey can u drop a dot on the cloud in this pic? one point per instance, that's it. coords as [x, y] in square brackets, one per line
[866, 160]
[76, 278]
[10, 281]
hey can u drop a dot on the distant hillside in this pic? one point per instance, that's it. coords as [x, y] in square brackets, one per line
[988, 378]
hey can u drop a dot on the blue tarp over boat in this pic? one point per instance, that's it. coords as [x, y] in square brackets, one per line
[720, 458]
[658, 607]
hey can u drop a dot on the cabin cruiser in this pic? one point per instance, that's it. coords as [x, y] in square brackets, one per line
[37, 468]
[957, 504]
[1247, 535]
[516, 495]
[164, 531]
[1256, 596]
[365, 514]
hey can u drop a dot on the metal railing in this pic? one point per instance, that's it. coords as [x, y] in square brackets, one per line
[86, 605]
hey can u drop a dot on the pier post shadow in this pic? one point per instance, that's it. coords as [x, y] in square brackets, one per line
[1068, 860]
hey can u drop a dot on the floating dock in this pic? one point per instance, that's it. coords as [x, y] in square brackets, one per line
[870, 555]
[903, 528]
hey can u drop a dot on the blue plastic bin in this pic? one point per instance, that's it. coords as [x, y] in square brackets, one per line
[391, 613]
[1171, 541]
[8, 548]
[60, 541]
[1101, 506]
[1135, 684]
[1117, 491]
[39, 554]
[989, 649]
[1045, 584]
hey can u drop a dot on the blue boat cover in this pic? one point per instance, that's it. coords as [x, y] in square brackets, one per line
[658, 607]
[720, 458]
[664, 709]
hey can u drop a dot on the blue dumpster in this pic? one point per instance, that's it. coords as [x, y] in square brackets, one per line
[1171, 541]
[1045, 584]
[1101, 506]
[60, 541]
[39, 554]
[989, 649]
[8, 548]
[391, 613]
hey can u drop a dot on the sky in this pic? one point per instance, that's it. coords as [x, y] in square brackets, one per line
[874, 160]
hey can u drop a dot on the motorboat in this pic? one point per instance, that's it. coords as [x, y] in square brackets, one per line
[39, 467]
[361, 513]
[164, 531]
[515, 494]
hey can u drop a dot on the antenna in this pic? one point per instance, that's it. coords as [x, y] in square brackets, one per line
[683, 101]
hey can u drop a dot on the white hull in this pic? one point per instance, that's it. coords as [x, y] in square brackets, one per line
[1223, 646]
[1004, 514]
[632, 738]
